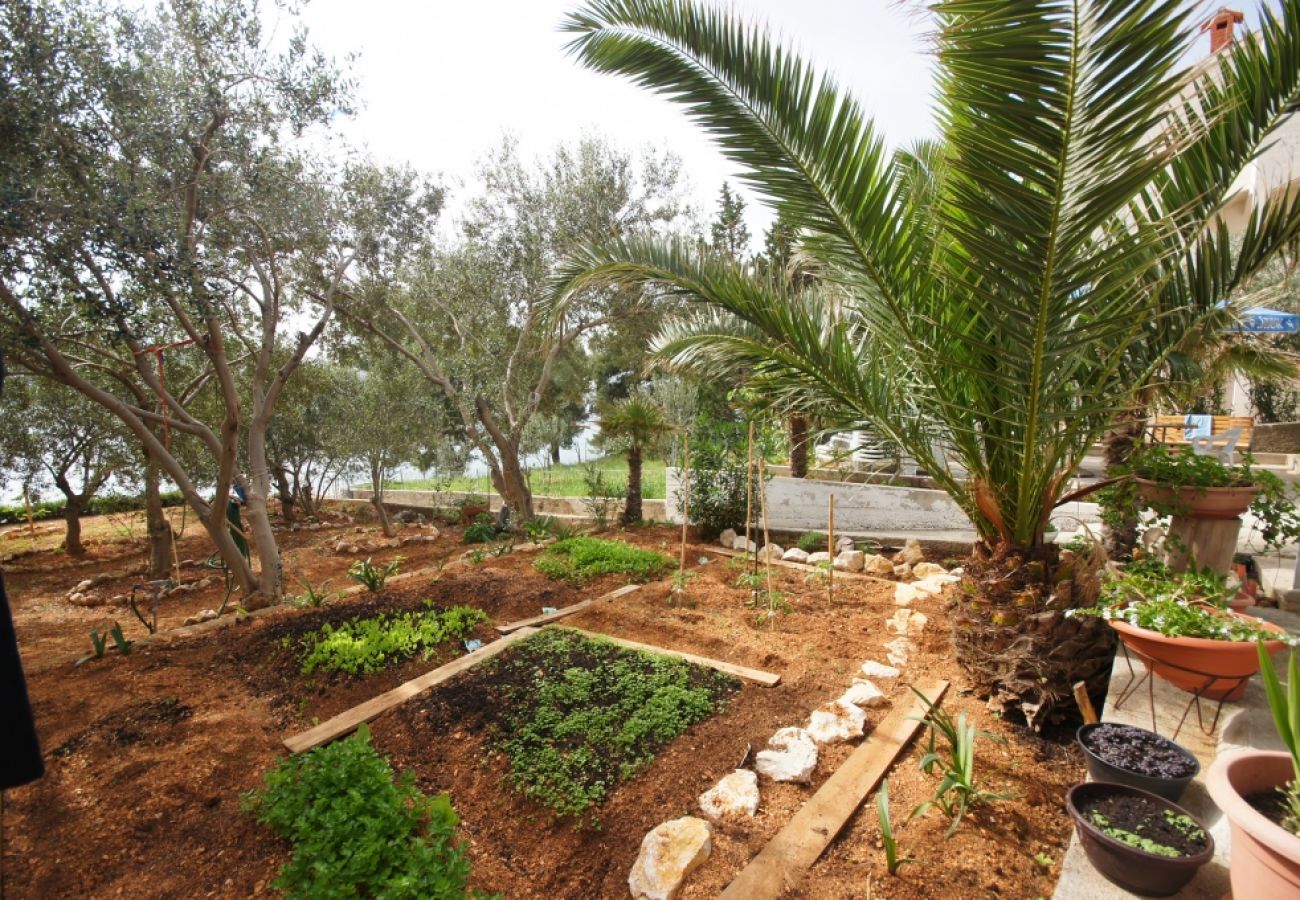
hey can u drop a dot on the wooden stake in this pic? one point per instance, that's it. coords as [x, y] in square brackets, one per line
[1085, 703]
[830, 545]
[749, 486]
[762, 505]
[686, 494]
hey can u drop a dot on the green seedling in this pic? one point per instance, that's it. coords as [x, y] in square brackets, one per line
[893, 861]
[372, 576]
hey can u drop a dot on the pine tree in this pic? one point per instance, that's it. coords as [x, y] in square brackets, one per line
[730, 236]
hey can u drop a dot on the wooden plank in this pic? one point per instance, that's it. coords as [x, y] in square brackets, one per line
[347, 721]
[800, 567]
[567, 610]
[780, 866]
[767, 679]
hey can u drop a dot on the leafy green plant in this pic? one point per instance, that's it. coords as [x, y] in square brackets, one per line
[603, 495]
[595, 716]
[1149, 596]
[582, 558]
[364, 646]
[476, 556]
[1185, 824]
[718, 467]
[119, 640]
[539, 528]
[312, 596]
[99, 642]
[893, 862]
[357, 830]
[1284, 704]
[821, 574]
[812, 542]
[481, 530]
[372, 576]
[957, 790]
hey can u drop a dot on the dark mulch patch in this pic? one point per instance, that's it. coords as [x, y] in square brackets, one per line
[1137, 750]
[145, 720]
[1269, 804]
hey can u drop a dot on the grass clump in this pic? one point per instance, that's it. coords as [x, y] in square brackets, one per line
[813, 542]
[358, 831]
[577, 715]
[581, 558]
[364, 646]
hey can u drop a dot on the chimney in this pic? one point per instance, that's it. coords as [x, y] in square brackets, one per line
[1221, 26]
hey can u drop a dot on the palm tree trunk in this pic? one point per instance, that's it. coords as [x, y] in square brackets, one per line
[798, 446]
[1119, 444]
[632, 508]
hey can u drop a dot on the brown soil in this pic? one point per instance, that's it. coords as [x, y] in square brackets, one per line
[1145, 818]
[147, 755]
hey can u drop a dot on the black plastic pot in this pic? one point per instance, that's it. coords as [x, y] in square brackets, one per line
[1132, 869]
[1100, 770]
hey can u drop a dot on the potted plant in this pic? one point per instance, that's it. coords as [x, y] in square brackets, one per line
[1126, 754]
[1143, 843]
[1259, 793]
[1181, 626]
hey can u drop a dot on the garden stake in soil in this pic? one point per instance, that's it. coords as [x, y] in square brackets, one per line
[830, 546]
[686, 495]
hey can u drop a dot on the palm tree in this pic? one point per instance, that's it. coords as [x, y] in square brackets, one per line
[637, 423]
[1002, 293]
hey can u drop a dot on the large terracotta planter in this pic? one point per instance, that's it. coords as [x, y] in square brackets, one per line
[1200, 503]
[1225, 663]
[1265, 858]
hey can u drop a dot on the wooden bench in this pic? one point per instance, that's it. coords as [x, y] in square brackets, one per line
[1173, 429]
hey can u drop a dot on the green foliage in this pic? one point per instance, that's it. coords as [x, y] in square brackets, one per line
[892, 860]
[364, 646]
[119, 640]
[582, 558]
[1284, 704]
[602, 495]
[957, 790]
[481, 530]
[718, 466]
[98, 506]
[357, 831]
[1148, 595]
[372, 576]
[595, 716]
[539, 528]
[1185, 824]
[812, 542]
[99, 642]
[312, 596]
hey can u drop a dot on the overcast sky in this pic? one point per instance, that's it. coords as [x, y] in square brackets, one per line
[441, 82]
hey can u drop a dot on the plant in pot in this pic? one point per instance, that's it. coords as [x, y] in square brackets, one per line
[1126, 754]
[1204, 497]
[1144, 843]
[1259, 793]
[1180, 626]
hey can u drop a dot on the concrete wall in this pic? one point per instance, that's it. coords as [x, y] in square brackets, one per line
[543, 506]
[799, 504]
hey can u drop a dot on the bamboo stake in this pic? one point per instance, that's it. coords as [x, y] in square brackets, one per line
[686, 495]
[1085, 703]
[830, 546]
[762, 503]
[749, 484]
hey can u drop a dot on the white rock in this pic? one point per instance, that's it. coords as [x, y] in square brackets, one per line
[669, 853]
[727, 538]
[203, 615]
[926, 569]
[958, 572]
[911, 552]
[771, 551]
[734, 795]
[900, 651]
[934, 584]
[902, 570]
[873, 669]
[844, 543]
[83, 586]
[907, 622]
[819, 556]
[850, 560]
[907, 594]
[836, 722]
[863, 693]
[794, 554]
[874, 564]
[792, 757]
[741, 544]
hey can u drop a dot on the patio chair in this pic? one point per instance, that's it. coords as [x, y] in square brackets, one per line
[1220, 445]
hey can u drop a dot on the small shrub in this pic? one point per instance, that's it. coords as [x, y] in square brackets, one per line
[357, 831]
[581, 558]
[812, 542]
[312, 596]
[372, 576]
[481, 530]
[363, 646]
[539, 528]
[603, 496]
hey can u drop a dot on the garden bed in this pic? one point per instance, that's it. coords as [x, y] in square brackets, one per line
[157, 813]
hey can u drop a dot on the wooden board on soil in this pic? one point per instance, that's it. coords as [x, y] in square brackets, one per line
[544, 618]
[347, 722]
[782, 863]
[768, 679]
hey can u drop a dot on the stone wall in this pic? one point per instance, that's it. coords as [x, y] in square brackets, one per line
[1280, 437]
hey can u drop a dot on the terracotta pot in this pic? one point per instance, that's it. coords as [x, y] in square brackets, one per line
[1133, 869]
[1225, 663]
[1265, 859]
[469, 513]
[1200, 503]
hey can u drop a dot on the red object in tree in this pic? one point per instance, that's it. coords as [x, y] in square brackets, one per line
[1222, 26]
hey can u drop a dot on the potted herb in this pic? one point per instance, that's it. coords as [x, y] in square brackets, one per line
[1143, 843]
[1259, 793]
[1181, 623]
[1126, 754]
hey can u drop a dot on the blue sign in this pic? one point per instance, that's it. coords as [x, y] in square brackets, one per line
[1260, 320]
